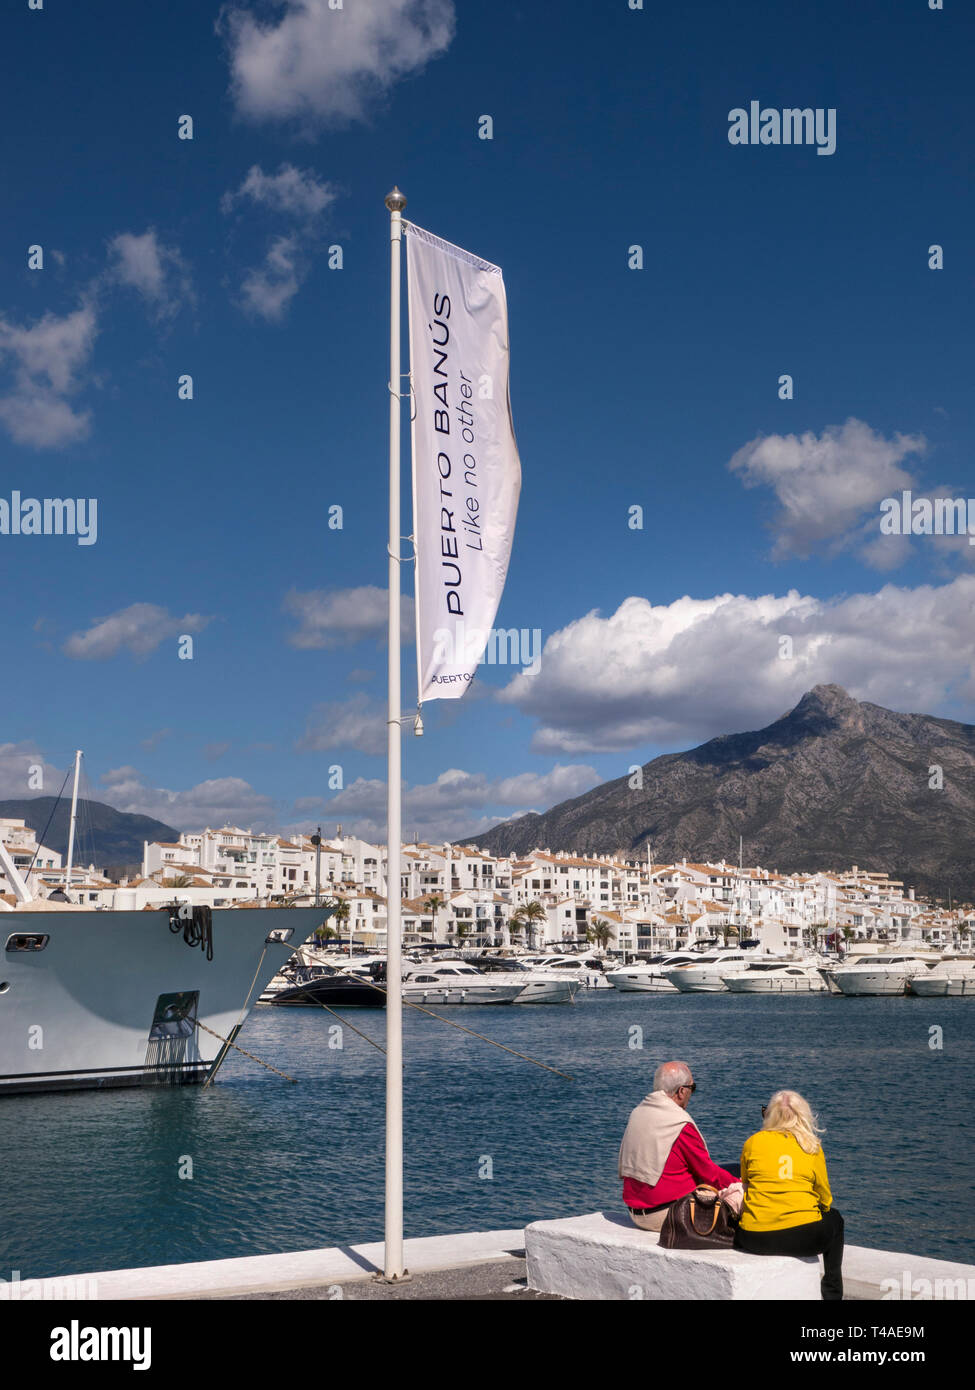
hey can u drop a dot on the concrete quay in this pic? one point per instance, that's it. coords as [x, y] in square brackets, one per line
[491, 1264]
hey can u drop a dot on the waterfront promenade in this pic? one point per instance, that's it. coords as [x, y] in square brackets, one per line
[470, 1265]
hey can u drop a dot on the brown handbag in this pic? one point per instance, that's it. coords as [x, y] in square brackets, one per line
[684, 1228]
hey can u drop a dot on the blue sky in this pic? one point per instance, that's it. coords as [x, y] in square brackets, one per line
[655, 388]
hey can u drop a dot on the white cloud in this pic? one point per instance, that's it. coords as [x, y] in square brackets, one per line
[215, 802]
[46, 361]
[298, 192]
[358, 722]
[138, 629]
[300, 195]
[339, 617]
[156, 272]
[829, 487]
[319, 65]
[674, 674]
[18, 781]
[458, 804]
[268, 289]
[151, 743]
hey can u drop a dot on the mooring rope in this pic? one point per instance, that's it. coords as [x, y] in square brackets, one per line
[228, 1043]
[346, 1024]
[451, 1024]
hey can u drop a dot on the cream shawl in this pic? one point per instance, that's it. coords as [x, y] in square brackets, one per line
[650, 1135]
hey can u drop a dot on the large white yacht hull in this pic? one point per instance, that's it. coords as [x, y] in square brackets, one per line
[881, 982]
[79, 1012]
[784, 984]
[631, 982]
[549, 992]
[460, 994]
[698, 984]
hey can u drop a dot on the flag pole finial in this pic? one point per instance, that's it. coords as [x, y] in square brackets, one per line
[395, 201]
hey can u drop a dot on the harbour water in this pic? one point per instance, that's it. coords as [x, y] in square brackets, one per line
[93, 1180]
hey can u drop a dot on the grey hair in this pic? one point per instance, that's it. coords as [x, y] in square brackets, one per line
[670, 1076]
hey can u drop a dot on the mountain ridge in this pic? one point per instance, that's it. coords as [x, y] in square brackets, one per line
[116, 836]
[832, 782]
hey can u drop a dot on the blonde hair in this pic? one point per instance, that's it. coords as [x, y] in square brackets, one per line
[788, 1113]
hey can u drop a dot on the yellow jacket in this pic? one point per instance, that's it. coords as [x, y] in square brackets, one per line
[784, 1186]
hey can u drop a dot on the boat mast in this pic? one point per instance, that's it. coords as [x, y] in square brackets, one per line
[74, 817]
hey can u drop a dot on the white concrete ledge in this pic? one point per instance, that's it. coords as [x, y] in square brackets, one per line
[891, 1276]
[604, 1256]
[570, 1265]
[271, 1273]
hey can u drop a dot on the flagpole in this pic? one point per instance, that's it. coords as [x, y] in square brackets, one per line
[393, 1265]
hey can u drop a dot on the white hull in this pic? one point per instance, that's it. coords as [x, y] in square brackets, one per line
[461, 994]
[549, 992]
[78, 1013]
[943, 986]
[628, 983]
[785, 984]
[871, 984]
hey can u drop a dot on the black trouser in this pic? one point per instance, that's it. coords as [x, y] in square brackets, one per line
[815, 1238]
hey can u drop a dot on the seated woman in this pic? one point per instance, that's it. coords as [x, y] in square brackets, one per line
[788, 1208]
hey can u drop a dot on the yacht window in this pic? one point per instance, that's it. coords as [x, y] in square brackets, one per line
[425, 979]
[448, 972]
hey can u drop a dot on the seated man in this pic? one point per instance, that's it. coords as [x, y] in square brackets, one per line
[663, 1156]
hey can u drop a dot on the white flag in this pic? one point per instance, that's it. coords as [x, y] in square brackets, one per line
[466, 471]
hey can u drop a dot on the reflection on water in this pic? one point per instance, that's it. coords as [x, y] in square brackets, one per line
[93, 1179]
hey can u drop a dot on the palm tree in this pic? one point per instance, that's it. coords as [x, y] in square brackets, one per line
[178, 881]
[601, 932]
[341, 915]
[529, 917]
[433, 905]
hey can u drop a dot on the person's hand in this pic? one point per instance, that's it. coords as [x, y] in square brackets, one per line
[733, 1196]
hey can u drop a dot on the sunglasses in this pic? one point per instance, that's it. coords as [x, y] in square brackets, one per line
[764, 1109]
[692, 1087]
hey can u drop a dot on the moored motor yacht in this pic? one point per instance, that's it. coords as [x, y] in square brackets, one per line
[317, 986]
[880, 974]
[539, 985]
[703, 974]
[949, 977]
[647, 976]
[775, 977]
[455, 982]
[582, 967]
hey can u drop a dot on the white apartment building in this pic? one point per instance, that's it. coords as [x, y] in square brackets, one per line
[648, 907]
[20, 842]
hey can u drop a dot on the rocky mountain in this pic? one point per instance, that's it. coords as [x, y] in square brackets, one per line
[832, 783]
[104, 836]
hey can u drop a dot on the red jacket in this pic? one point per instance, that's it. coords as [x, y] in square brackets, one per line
[688, 1164]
